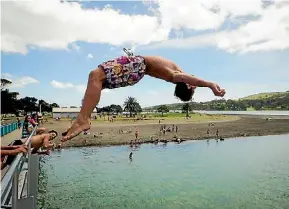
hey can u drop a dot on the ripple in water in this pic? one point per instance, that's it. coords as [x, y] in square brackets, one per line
[231, 174]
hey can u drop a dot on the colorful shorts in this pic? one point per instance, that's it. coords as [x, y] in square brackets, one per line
[123, 71]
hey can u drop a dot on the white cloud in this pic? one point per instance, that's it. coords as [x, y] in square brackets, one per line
[80, 88]
[19, 82]
[54, 24]
[89, 56]
[6, 75]
[270, 31]
[60, 85]
[75, 47]
[23, 81]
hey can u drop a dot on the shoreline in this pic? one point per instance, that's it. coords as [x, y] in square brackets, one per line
[168, 141]
[109, 134]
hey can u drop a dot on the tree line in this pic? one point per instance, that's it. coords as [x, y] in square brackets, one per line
[278, 102]
[10, 104]
[271, 103]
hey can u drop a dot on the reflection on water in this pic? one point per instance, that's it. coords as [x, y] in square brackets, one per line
[197, 174]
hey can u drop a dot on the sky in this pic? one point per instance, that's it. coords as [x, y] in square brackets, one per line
[48, 47]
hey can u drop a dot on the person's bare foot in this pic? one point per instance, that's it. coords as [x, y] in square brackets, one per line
[76, 128]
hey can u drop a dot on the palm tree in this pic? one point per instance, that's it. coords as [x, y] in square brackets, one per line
[131, 105]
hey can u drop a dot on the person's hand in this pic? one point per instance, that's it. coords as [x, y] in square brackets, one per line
[217, 90]
[46, 152]
[21, 148]
[15, 146]
[49, 146]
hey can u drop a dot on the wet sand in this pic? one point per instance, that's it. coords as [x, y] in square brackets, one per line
[118, 133]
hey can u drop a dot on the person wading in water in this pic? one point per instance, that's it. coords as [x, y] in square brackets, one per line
[127, 71]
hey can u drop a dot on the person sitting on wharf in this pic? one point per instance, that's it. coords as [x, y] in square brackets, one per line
[34, 121]
[27, 127]
[127, 71]
[8, 154]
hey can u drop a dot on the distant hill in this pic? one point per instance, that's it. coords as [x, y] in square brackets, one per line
[265, 95]
[261, 101]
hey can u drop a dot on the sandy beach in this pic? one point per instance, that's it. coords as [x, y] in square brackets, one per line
[104, 133]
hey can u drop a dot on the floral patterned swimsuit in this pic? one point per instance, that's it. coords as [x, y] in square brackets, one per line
[123, 71]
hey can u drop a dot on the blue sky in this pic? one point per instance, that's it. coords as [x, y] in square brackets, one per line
[49, 48]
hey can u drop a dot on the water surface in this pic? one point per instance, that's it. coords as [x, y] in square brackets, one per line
[238, 173]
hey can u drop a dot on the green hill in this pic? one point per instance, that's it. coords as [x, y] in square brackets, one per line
[261, 101]
[265, 95]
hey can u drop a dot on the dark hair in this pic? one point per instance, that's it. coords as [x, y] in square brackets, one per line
[26, 122]
[26, 118]
[183, 92]
[52, 131]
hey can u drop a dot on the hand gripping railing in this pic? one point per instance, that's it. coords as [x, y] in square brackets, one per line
[10, 180]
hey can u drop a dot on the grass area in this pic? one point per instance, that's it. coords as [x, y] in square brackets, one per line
[169, 115]
[250, 109]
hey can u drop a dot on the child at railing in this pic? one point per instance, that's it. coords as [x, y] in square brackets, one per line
[34, 121]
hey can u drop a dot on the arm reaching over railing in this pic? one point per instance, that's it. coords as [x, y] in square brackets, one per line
[11, 176]
[8, 153]
[13, 150]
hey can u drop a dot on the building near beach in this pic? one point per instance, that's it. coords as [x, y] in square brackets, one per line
[65, 112]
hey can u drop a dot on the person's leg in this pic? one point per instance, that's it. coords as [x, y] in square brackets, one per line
[91, 99]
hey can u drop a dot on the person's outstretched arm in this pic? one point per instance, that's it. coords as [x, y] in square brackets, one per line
[10, 147]
[6, 148]
[21, 148]
[195, 81]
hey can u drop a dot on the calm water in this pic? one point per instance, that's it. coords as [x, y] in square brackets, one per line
[259, 112]
[239, 173]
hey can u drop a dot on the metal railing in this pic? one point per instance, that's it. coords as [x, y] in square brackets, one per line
[9, 183]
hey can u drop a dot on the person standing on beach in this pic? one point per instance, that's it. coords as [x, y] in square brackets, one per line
[136, 135]
[127, 71]
[18, 123]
